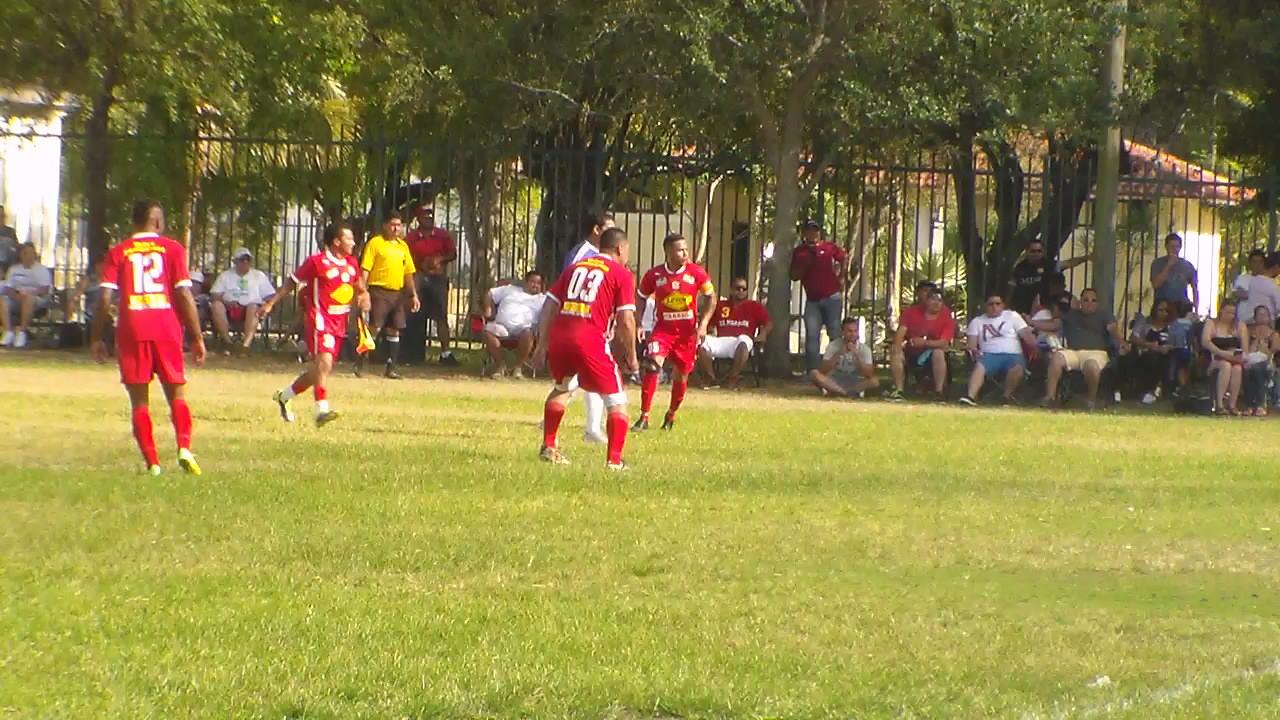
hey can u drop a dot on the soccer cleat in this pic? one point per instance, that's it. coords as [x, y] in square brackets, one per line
[553, 455]
[326, 417]
[669, 422]
[357, 370]
[286, 407]
[594, 438]
[155, 471]
[641, 425]
[187, 462]
[620, 466]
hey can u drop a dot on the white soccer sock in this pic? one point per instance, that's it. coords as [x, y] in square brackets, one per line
[322, 406]
[287, 393]
[595, 413]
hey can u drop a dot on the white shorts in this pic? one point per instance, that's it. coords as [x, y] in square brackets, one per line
[724, 348]
[502, 332]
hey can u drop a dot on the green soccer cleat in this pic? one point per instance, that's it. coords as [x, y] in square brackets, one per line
[188, 463]
[286, 406]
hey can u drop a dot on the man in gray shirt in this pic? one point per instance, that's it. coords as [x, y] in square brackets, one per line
[1089, 333]
[1171, 274]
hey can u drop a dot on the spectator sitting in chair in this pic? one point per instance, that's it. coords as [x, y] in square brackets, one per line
[925, 331]
[24, 295]
[846, 367]
[738, 325]
[512, 311]
[1264, 341]
[1225, 338]
[1152, 363]
[1089, 333]
[237, 295]
[995, 340]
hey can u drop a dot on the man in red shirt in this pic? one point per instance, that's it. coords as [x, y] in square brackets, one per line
[149, 273]
[433, 249]
[820, 266]
[584, 302]
[330, 280]
[677, 331]
[735, 324]
[925, 331]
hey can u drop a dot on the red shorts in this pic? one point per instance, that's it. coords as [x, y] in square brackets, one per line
[324, 333]
[235, 313]
[141, 360]
[682, 350]
[590, 360]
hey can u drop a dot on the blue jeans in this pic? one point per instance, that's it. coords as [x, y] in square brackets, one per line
[824, 312]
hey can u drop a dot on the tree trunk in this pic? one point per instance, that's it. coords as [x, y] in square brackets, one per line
[479, 193]
[97, 151]
[971, 242]
[787, 200]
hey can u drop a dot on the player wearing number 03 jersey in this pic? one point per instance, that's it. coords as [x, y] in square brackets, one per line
[675, 287]
[590, 295]
[148, 273]
[330, 282]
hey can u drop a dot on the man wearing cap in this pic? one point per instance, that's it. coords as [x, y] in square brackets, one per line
[819, 265]
[237, 295]
[433, 249]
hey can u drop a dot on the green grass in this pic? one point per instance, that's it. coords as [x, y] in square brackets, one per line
[777, 556]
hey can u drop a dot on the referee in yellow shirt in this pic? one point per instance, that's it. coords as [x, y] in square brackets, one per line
[387, 269]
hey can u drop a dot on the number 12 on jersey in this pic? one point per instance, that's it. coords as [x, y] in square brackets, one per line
[148, 281]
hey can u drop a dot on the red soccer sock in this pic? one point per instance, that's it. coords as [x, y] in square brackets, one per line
[180, 413]
[616, 426]
[321, 393]
[552, 414]
[142, 433]
[678, 389]
[648, 387]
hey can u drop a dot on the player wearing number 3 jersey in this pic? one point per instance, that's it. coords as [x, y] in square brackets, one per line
[589, 296]
[148, 273]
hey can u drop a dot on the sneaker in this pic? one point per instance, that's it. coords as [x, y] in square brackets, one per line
[493, 372]
[894, 395]
[7, 340]
[553, 455]
[448, 360]
[188, 463]
[733, 383]
[669, 422]
[1010, 400]
[1116, 395]
[20, 340]
[391, 374]
[155, 471]
[966, 400]
[594, 438]
[326, 417]
[1090, 406]
[620, 466]
[640, 425]
[286, 406]
[517, 374]
[1149, 399]
[1048, 403]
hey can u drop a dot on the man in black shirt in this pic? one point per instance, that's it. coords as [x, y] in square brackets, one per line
[1029, 274]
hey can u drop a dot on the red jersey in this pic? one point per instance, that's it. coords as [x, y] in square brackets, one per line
[147, 270]
[744, 318]
[435, 243]
[328, 284]
[590, 292]
[676, 294]
[822, 276]
[942, 327]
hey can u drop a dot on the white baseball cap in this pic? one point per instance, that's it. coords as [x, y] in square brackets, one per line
[240, 253]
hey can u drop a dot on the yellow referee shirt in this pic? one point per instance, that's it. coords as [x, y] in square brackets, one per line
[387, 261]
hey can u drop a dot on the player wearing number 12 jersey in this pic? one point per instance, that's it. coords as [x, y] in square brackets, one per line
[588, 297]
[678, 328]
[148, 272]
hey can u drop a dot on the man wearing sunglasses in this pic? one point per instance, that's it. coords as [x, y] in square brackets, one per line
[1027, 286]
[739, 323]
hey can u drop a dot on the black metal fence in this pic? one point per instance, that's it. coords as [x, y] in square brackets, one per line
[958, 222]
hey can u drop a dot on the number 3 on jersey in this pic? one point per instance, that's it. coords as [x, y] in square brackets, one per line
[584, 284]
[148, 273]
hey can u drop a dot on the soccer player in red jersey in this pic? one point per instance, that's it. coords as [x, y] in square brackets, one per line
[678, 330]
[574, 328]
[148, 272]
[330, 280]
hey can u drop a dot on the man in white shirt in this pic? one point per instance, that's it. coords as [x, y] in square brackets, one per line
[237, 295]
[995, 341]
[846, 369]
[512, 311]
[1262, 289]
[24, 293]
[1253, 267]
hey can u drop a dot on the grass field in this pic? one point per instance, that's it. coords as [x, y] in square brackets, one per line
[774, 557]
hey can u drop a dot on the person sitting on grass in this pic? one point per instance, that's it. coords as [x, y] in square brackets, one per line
[846, 369]
[512, 311]
[1224, 338]
[925, 331]
[995, 341]
[1264, 341]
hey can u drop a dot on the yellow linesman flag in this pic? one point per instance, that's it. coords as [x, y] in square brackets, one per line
[365, 342]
